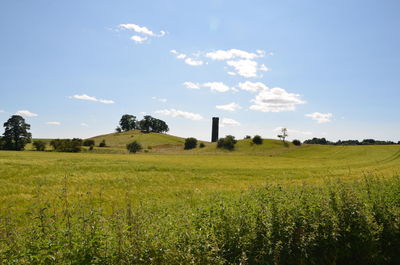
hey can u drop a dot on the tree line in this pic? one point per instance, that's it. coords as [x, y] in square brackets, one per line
[147, 124]
[323, 141]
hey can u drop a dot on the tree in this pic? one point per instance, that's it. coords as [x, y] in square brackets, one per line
[283, 135]
[257, 139]
[190, 143]
[296, 142]
[16, 134]
[88, 142]
[103, 143]
[118, 129]
[227, 143]
[67, 145]
[145, 123]
[127, 122]
[39, 145]
[202, 145]
[134, 147]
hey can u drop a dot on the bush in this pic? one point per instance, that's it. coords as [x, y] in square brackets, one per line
[67, 145]
[227, 143]
[296, 142]
[134, 147]
[102, 143]
[202, 145]
[88, 142]
[257, 139]
[39, 145]
[190, 143]
[247, 137]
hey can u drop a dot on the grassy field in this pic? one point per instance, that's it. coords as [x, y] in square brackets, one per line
[267, 204]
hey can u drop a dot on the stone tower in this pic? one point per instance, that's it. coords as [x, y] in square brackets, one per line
[215, 129]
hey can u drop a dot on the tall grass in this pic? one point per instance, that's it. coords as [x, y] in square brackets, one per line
[334, 222]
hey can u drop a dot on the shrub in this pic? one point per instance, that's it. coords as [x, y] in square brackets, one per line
[88, 142]
[202, 145]
[67, 145]
[190, 143]
[103, 143]
[91, 147]
[134, 147]
[296, 142]
[257, 139]
[227, 143]
[247, 137]
[39, 145]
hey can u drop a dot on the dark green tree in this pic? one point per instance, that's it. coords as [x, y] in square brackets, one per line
[190, 143]
[134, 147]
[257, 139]
[227, 143]
[39, 145]
[16, 134]
[127, 122]
[146, 123]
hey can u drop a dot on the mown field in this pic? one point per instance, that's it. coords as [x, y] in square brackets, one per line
[266, 204]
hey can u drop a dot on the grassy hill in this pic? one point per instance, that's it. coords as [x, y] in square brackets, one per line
[164, 143]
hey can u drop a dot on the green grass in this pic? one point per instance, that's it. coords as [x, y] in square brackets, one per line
[267, 204]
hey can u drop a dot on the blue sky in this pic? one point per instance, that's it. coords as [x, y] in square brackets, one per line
[320, 68]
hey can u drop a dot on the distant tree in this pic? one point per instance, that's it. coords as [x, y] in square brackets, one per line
[118, 129]
[190, 143]
[296, 142]
[257, 139]
[316, 141]
[283, 134]
[150, 124]
[145, 123]
[227, 143]
[39, 145]
[16, 134]
[67, 145]
[247, 137]
[127, 122]
[88, 142]
[202, 145]
[134, 147]
[103, 143]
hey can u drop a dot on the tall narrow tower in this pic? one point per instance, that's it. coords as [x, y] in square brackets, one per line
[215, 128]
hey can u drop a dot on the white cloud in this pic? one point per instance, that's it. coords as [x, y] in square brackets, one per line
[178, 54]
[233, 53]
[252, 86]
[1, 111]
[84, 124]
[245, 68]
[179, 113]
[231, 73]
[160, 99]
[142, 30]
[263, 68]
[229, 107]
[292, 131]
[191, 85]
[320, 117]
[276, 100]
[26, 113]
[229, 122]
[138, 39]
[53, 123]
[89, 98]
[193, 62]
[217, 86]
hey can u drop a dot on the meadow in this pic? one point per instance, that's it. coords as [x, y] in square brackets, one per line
[268, 204]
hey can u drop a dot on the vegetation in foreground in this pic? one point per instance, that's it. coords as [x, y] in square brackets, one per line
[331, 223]
[302, 206]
